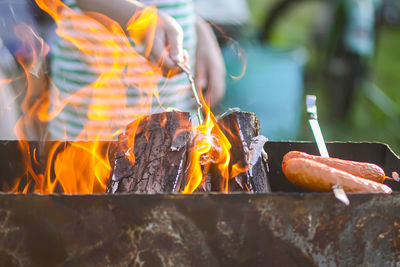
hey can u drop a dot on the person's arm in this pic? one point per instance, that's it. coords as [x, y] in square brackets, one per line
[120, 11]
[166, 47]
[209, 67]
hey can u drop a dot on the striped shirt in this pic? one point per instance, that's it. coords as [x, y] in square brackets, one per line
[100, 87]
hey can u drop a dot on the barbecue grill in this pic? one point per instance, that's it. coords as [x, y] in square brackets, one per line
[289, 227]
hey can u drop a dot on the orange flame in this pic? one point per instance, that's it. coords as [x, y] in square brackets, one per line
[210, 147]
[90, 171]
[111, 75]
[83, 167]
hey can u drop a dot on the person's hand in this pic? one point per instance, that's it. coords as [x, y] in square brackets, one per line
[209, 66]
[160, 35]
[162, 40]
[167, 47]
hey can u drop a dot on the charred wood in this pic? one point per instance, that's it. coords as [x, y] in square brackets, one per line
[243, 132]
[151, 155]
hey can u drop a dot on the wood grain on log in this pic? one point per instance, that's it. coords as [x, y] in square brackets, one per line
[243, 132]
[161, 146]
[160, 152]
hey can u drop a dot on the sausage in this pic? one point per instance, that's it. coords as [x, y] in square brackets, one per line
[320, 177]
[362, 169]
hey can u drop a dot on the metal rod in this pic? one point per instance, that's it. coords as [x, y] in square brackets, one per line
[194, 90]
[311, 106]
[312, 113]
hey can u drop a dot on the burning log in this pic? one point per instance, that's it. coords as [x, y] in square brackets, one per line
[243, 132]
[154, 155]
[151, 155]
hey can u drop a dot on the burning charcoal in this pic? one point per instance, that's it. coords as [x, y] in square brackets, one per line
[243, 132]
[151, 155]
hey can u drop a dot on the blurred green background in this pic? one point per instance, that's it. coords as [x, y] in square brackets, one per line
[375, 114]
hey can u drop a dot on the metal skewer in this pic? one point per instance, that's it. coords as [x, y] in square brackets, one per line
[194, 90]
[313, 120]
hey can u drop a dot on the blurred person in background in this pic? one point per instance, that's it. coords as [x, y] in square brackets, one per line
[177, 30]
[16, 19]
[13, 13]
[9, 111]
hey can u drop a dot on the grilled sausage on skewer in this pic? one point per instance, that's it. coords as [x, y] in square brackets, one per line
[362, 169]
[320, 177]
